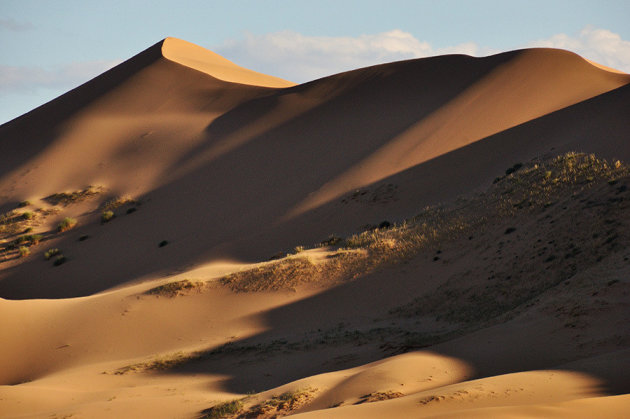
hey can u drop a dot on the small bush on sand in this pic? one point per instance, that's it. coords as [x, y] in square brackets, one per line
[24, 204]
[24, 251]
[51, 252]
[223, 410]
[27, 215]
[107, 216]
[66, 224]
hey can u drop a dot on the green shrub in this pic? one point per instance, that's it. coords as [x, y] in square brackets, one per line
[66, 224]
[107, 216]
[24, 204]
[24, 251]
[51, 252]
[223, 410]
[27, 215]
[34, 238]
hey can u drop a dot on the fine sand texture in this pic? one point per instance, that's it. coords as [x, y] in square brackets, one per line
[440, 237]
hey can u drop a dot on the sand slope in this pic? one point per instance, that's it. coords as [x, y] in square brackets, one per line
[210, 168]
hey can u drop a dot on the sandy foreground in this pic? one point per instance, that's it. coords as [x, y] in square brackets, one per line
[441, 237]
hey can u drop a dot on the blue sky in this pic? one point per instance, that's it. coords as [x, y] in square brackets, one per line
[49, 47]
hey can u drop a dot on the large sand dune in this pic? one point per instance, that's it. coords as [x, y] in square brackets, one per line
[211, 169]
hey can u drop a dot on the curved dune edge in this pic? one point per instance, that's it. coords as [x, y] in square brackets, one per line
[603, 67]
[206, 61]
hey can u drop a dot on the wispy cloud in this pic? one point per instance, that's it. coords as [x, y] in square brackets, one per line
[31, 79]
[300, 58]
[13, 25]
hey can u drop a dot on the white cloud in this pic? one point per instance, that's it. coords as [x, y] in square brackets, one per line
[32, 79]
[599, 45]
[300, 58]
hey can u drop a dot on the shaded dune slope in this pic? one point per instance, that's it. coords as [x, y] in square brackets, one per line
[196, 151]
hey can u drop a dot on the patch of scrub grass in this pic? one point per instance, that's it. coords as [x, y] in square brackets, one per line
[173, 289]
[24, 251]
[28, 215]
[118, 202]
[67, 198]
[23, 204]
[223, 410]
[66, 224]
[525, 187]
[51, 252]
[283, 404]
[107, 216]
[158, 364]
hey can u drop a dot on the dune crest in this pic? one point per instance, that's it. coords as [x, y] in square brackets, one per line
[206, 61]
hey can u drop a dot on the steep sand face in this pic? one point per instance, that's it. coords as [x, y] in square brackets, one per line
[208, 62]
[213, 166]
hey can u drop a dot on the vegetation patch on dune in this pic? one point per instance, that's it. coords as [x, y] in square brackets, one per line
[533, 230]
[379, 396]
[249, 407]
[161, 363]
[68, 198]
[176, 288]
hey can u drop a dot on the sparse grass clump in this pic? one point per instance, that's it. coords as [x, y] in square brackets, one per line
[66, 224]
[67, 198]
[107, 216]
[117, 202]
[24, 251]
[23, 204]
[282, 404]
[158, 364]
[51, 252]
[28, 215]
[223, 410]
[173, 289]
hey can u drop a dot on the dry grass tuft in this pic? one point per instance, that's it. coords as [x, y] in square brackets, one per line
[68, 198]
[177, 288]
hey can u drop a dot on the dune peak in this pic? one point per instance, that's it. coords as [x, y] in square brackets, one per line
[211, 63]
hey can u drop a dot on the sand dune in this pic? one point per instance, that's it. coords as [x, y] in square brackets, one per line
[515, 303]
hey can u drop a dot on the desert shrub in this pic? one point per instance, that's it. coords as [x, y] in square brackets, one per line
[59, 260]
[51, 252]
[163, 243]
[24, 251]
[34, 238]
[332, 241]
[117, 202]
[66, 224]
[223, 410]
[28, 230]
[27, 215]
[107, 216]
[67, 198]
[173, 289]
[24, 204]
